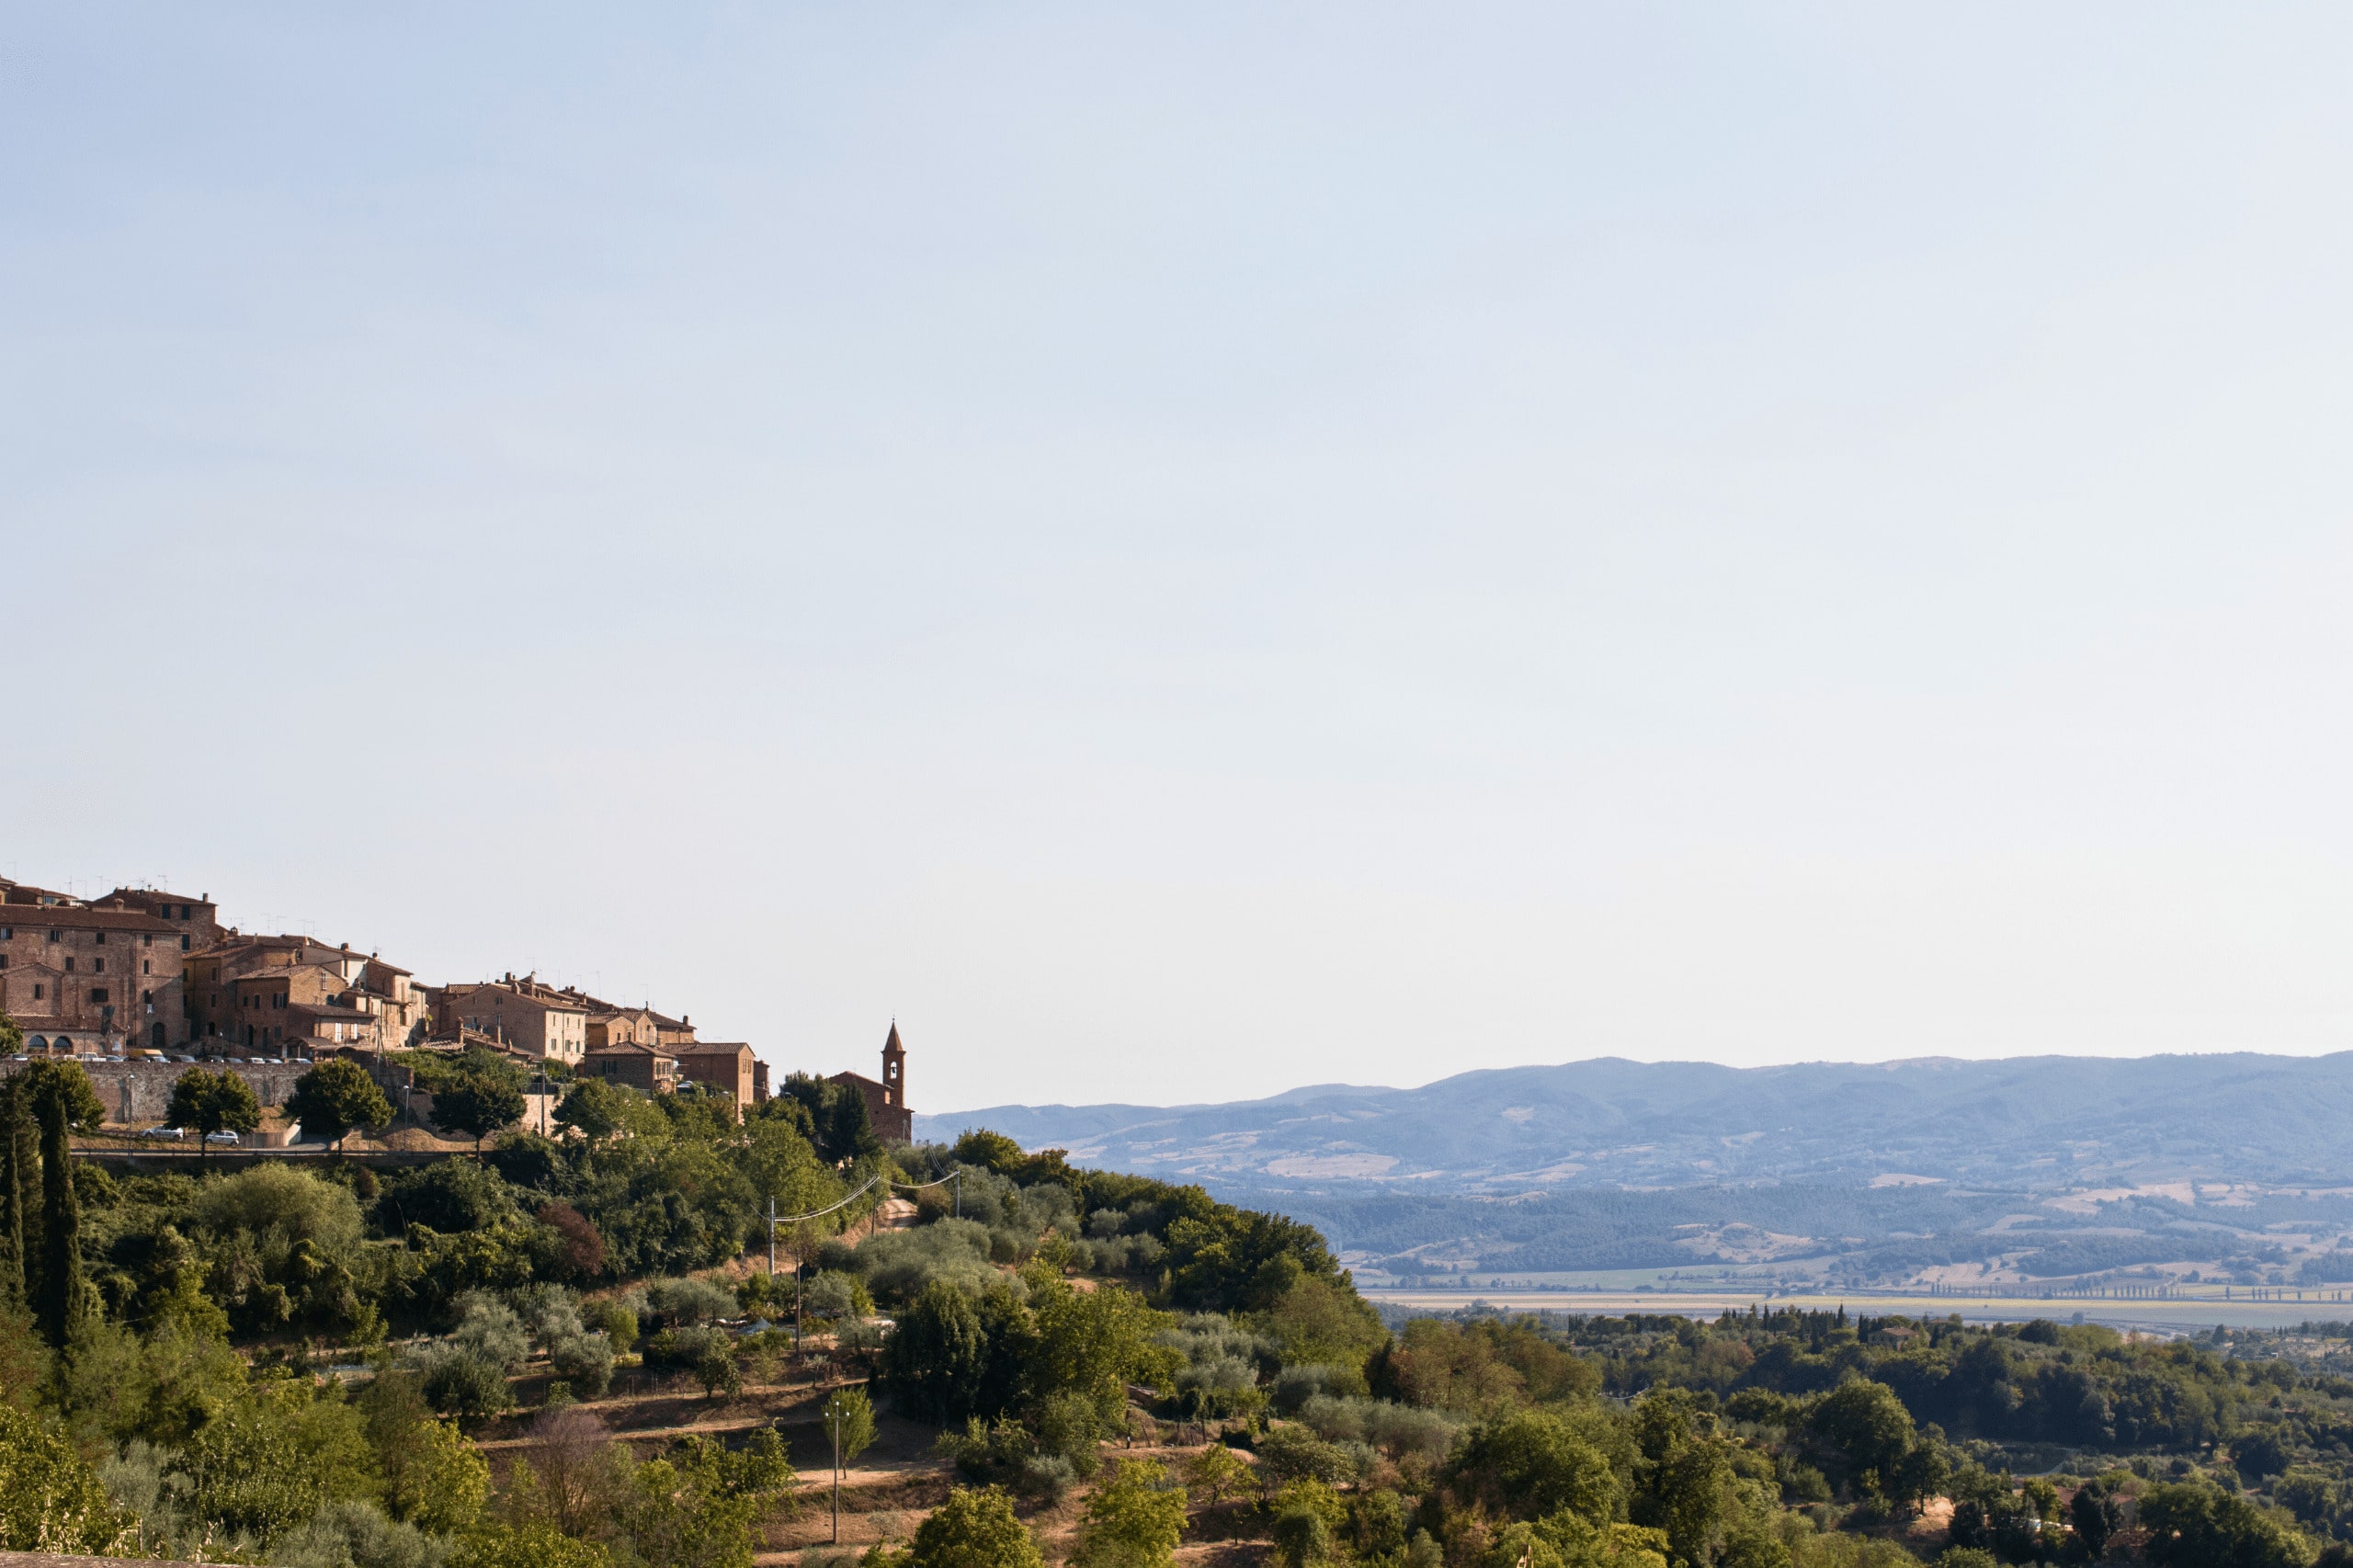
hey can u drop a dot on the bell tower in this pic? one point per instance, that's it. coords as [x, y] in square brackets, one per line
[894, 1070]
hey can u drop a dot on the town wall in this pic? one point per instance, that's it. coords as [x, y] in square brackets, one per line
[139, 1094]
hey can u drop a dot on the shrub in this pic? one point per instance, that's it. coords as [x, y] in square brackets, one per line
[50, 1501]
[617, 1320]
[353, 1531]
[295, 1202]
[682, 1302]
[585, 1361]
[1395, 1429]
[1132, 1521]
[490, 1331]
[717, 1371]
[974, 1529]
[457, 1383]
[1294, 1386]
[897, 1265]
[837, 1295]
[686, 1348]
[1293, 1453]
[448, 1196]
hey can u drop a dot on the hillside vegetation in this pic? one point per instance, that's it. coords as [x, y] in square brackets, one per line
[560, 1353]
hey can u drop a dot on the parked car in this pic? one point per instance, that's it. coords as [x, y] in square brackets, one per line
[171, 1132]
[221, 1138]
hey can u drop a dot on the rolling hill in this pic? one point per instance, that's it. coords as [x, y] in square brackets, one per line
[1935, 1171]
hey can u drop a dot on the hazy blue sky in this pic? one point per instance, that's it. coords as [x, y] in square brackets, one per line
[1193, 550]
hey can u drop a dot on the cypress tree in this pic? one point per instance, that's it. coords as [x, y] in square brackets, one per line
[57, 1302]
[16, 1142]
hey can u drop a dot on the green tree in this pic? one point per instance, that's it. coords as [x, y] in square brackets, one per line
[50, 1500]
[1686, 1484]
[832, 1116]
[937, 1353]
[213, 1102]
[1531, 1464]
[1869, 1431]
[433, 1477]
[1097, 1342]
[264, 1464]
[849, 1422]
[338, 1098]
[717, 1369]
[2095, 1514]
[62, 1099]
[1215, 1474]
[2197, 1525]
[1132, 1520]
[593, 1108]
[974, 1529]
[19, 1169]
[1319, 1322]
[476, 1105]
[697, 1508]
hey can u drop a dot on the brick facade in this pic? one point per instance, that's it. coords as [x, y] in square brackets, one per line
[728, 1066]
[645, 1068]
[537, 1019]
[290, 993]
[93, 979]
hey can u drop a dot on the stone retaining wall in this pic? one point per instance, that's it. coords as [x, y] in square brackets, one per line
[139, 1094]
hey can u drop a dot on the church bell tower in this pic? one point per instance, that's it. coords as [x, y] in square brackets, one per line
[894, 1070]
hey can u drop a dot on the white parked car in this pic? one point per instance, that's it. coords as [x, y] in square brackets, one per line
[171, 1132]
[220, 1138]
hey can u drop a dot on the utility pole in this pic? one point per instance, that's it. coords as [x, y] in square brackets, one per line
[771, 1243]
[834, 1424]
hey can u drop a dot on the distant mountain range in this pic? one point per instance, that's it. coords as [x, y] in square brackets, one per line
[2025, 1123]
[2036, 1171]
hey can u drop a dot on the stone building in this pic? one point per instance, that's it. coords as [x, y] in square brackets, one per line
[290, 992]
[645, 1068]
[730, 1066]
[610, 1026]
[199, 919]
[91, 978]
[540, 1019]
[886, 1102]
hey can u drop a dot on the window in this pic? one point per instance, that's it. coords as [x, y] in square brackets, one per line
[278, 1001]
[147, 966]
[183, 944]
[40, 991]
[69, 966]
[147, 997]
[147, 940]
[97, 966]
[57, 936]
[7, 933]
[99, 938]
[98, 994]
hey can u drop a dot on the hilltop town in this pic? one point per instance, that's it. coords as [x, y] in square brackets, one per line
[146, 976]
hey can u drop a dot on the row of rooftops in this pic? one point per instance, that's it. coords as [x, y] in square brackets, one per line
[155, 910]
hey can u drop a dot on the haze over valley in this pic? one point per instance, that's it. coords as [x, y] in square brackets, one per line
[2056, 1172]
